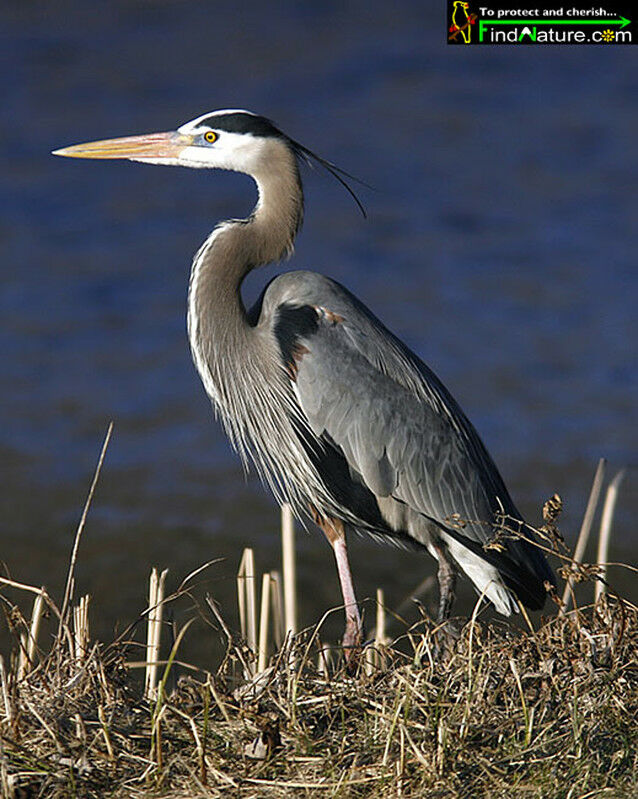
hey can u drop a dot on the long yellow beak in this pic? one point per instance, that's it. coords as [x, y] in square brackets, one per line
[150, 145]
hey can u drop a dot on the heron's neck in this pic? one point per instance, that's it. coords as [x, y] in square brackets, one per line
[236, 247]
[218, 327]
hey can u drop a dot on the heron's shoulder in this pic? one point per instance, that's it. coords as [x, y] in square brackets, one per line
[304, 288]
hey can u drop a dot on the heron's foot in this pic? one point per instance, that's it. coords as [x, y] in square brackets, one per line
[445, 637]
[352, 642]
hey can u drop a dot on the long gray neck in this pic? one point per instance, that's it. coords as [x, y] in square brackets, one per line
[236, 247]
[240, 364]
[222, 340]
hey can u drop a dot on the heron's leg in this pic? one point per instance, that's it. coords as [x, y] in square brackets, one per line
[336, 535]
[447, 583]
[353, 635]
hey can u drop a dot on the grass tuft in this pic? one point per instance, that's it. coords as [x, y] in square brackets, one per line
[495, 712]
[550, 712]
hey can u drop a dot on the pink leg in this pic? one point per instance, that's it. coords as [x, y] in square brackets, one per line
[353, 635]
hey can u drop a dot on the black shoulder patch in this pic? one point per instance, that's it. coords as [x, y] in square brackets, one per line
[292, 323]
[238, 122]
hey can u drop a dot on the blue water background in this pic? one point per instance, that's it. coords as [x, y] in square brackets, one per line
[500, 243]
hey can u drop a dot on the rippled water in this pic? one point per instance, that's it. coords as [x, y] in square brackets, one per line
[501, 245]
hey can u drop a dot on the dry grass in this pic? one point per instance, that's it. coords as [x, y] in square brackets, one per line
[549, 713]
[498, 712]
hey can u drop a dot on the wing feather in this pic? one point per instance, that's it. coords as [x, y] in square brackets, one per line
[397, 442]
[396, 424]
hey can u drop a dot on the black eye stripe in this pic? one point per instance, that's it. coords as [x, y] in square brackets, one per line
[243, 123]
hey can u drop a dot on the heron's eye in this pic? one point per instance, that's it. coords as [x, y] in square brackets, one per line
[210, 136]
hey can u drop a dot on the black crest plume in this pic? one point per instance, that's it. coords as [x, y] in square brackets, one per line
[308, 157]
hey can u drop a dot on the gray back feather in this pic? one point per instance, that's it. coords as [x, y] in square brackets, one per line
[397, 425]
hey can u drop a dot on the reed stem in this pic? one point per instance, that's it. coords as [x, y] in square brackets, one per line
[289, 568]
[605, 533]
[264, 615]
[585, 529]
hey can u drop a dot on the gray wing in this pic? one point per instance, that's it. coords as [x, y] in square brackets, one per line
[396, 424]
[403, 444]
[399, 429]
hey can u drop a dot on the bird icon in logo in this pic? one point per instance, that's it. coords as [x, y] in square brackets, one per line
[462, 22]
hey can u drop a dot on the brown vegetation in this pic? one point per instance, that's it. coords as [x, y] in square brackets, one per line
[497, 712]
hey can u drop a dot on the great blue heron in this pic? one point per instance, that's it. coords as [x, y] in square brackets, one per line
[340, 418]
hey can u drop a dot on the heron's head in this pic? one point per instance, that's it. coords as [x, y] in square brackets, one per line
[237, 140]
[230, 139]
